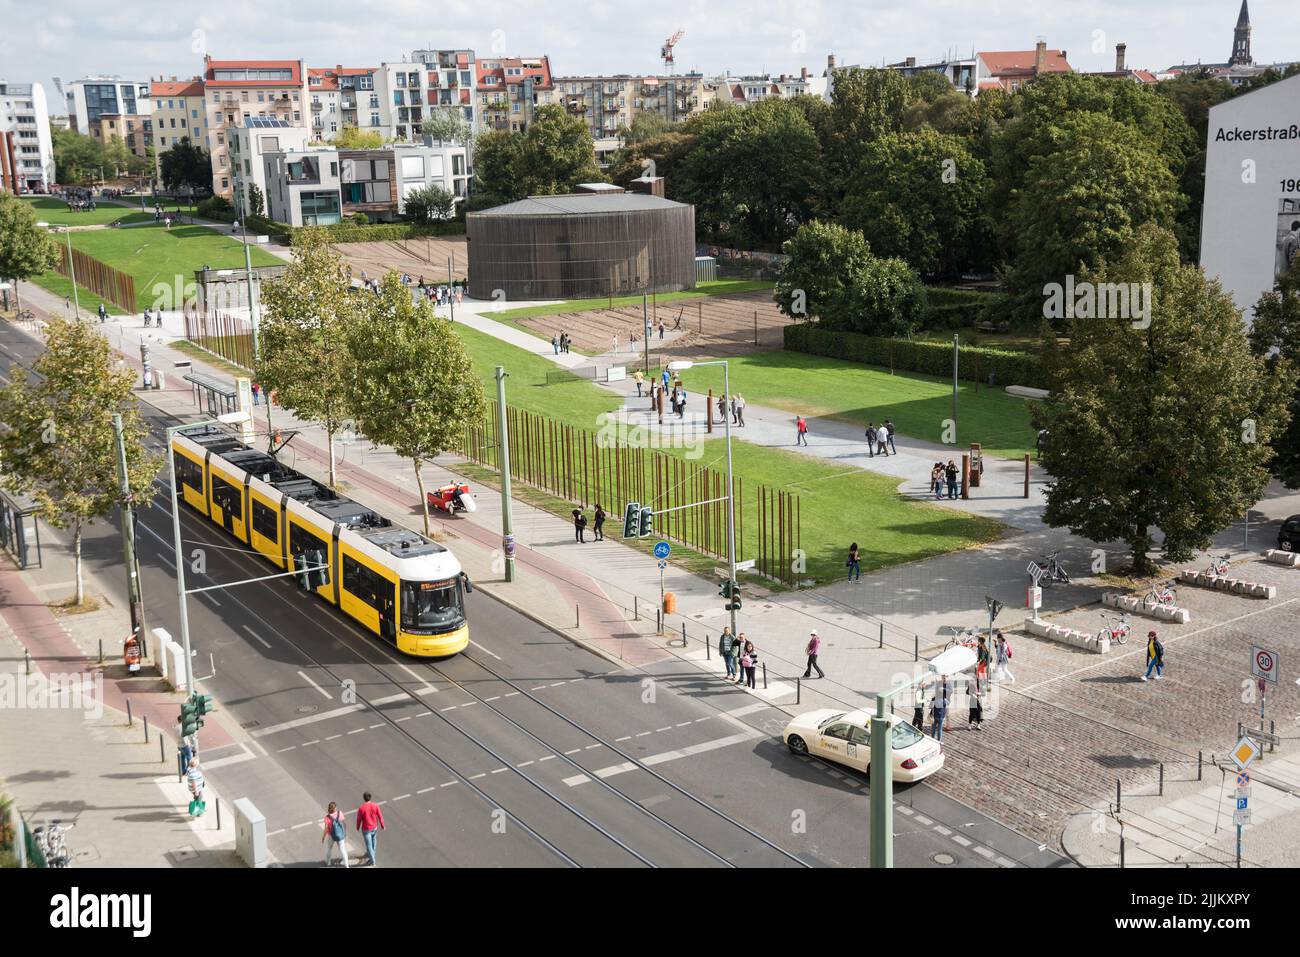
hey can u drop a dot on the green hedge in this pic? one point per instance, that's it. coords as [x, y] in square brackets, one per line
[949, 308]
[387, 232]
[977, 363]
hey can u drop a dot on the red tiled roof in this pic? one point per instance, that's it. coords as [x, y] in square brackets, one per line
[294, 66]
[1145, 76]
[1022, 61]
[192, 87]
[539, 68]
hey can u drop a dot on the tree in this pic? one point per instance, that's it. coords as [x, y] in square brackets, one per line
[645, 126]
[429, 203]
[661, 156]
[307, 314]
[1163, 427]
[351, 137]
[256, 203]
[26, 250]
[414, 387]
[1083, 202]
[494, 165]
[448, 125]
[865, 104]
[76, 157]
[555, 154]
[1275, 336]
[60, 446]
[117, 158]
[919, 196]
[186, 165]
[831, 274]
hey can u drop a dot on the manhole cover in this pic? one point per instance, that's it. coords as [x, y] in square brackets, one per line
[307, 709]
[942, 858]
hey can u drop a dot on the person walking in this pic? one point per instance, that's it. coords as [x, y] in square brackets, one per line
[801, 431]
[854, 566]
[103, 313]
[370, 821]
[722, 408]
[812, 650]
[749, 661]
[599, 526]
[740, 411]
[194, 779]
[936, 480]
[334, 833]
[666, 377]
[555, 346]
[939, 709]
[982, 659]
[882, 440]
[918, 709]
[871, 440]
[579, 526]
[681, 403]
[735, 417]
[1002, 653]
[1155, 657]
[257, 394]
[889, 427]
[975, 719]
[724, 649]
[950, 473]
[639, 378]
[737, 646]
[614, 345]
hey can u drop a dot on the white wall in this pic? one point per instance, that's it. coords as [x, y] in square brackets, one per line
[1240, 224]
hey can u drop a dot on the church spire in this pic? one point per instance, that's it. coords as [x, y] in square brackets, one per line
[1241, 39]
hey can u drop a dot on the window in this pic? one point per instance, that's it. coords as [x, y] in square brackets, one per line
[860, 736]
[369, 586]
[266, 522]
[334, 169]
[188, 473]
[903, 735]
[261, 97]
[228, 498]
[301, 540]
[365, 83]
[225, 183]
[432, 607]
[840, 731]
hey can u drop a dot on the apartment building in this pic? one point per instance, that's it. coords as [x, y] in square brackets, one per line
[94, 96]
[510, 90]
[962, 72]
[344, 96]
[743, 90]
[1010, 70]
[179, 112]
[302, 188]
[135, 132]
[237, 91]
[608, 104]
[26, 148]
[421, 83]
[247, 145]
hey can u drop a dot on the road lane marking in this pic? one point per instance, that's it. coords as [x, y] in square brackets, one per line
[626, 737]
[408, 670]
[333, 736]
[487, 650]
[315, 685]
[493, 698]
[247, 755]
[669, 728]
[432, 787]
[401, 796]
[655, 759]
[356, 730]
[310, 719]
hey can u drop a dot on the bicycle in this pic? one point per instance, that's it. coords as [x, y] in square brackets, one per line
[52, 841]
[1116, 629]
[1161, 595]
[967, 638]
[1218, 567]
[1053, 572]
[26, 314]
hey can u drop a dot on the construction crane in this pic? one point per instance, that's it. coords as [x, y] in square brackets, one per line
[666, 54]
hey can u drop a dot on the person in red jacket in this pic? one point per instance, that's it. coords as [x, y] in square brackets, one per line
[370, 821]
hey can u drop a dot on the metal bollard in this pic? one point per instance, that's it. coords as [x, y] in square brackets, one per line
[765, 676]
[101, 651]
[659, 621]
[1117, 795]
[636, 609]
[916, 648]
[146, 729]
[577, 615]
[683, 634]
[129, 720]
[162, 750]
[1162, 779]
[180, 774]
[27, 660]
[798, 690]
[708, 649]
[1200, 764]
[1272, 729]
[882, 635]
[219, 817]
[1121, 848]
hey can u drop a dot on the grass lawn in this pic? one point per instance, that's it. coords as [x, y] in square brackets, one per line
[838, 505]
[720, 287]
[1016, 341]
[55, 211]
[835, 388]
[157, 255]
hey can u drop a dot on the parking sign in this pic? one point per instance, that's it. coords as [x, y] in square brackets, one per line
[1264, 664]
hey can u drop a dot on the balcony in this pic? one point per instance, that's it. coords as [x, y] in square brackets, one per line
[315, 106]
[349, 104]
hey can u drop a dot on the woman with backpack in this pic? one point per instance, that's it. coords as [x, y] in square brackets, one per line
[1002, 648]
[335, 831]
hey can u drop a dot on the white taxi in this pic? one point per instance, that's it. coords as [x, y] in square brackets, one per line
[845, 737]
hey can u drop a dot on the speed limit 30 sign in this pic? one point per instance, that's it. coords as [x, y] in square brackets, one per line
[1264, 664]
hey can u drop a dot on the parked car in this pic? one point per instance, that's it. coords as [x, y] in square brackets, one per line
[845, 738]
[1288, 536]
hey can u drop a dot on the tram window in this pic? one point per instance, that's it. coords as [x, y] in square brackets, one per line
[313, 551]
[365, 584]
[228, 497]
[432, 604]
[265, 522]
[301, 540]
[188, 473]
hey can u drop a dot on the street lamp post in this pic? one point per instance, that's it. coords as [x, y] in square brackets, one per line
[680, 366]
[503, 436]
[248, 270]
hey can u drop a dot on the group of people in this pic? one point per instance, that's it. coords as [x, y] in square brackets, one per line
[736, 403]
[990, 664]
[560, 343]
[440, 294]
[944, 478]
[370, 821]
[740, 656]
[580, 525]
[880, 439]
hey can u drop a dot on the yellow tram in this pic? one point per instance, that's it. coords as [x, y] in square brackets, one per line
[392, 580]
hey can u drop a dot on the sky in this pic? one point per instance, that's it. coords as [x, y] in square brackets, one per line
[139, 39]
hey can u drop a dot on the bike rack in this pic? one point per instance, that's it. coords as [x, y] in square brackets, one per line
[1222, 583]
[1141, 606]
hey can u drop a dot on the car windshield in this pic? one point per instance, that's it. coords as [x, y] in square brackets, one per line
[904, 735]
[432, 605]
[834, 717]
[1292, 525]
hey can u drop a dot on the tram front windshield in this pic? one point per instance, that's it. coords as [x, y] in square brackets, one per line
[436, 605]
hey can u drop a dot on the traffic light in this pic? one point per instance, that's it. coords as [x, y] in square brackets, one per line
[735, 597]
[320, 575]
[630, 519]
[647, 521]
[203, 702]
[191, 718]
[302, 576]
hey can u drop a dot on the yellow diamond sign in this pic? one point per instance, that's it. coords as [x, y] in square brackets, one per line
[1245, 751]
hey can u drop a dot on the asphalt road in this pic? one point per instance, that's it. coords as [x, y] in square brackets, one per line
[526, 750]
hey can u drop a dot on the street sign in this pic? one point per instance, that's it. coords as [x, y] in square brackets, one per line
[1262, 736]
[662, 564]
[1243, 794]
[993, 605]
[1245, 751]
[1240, 818]
[746, 566]
[1243, 779]
[662, 549]
[1263, 664]
[1242, 803]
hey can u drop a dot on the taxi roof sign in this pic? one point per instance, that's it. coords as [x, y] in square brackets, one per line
[1245, 751]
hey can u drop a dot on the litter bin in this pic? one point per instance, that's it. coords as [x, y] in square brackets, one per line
[976, 464]
[670, 603]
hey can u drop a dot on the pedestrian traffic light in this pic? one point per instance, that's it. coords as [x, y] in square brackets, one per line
[300, 566]
[191, 718]
[735, 597]
[631, 518]
[725, 590]
[203, 702]
[647, 521]
[320, 573]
